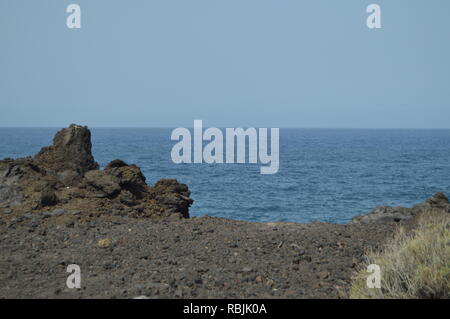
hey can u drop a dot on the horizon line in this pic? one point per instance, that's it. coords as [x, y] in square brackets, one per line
[280, 127]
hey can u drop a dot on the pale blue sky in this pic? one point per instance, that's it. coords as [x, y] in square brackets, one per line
[263, 63]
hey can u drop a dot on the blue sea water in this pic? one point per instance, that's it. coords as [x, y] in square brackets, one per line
[326, 175]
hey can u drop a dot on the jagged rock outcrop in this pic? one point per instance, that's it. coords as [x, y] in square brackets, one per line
[71, 151]
[382, 214]
[65, 177]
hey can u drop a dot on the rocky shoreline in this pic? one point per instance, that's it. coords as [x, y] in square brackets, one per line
[64, 178]
[131, 239]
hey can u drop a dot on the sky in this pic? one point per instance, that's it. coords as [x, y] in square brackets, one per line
[230, 63]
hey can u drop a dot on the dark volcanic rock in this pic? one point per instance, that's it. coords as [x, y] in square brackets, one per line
[10, 192]
[382, 214]
[439, 201]
[66, 176]
[69, 177]
[71, 150]
[48, 198]
[129, 177]
[105, 183]
[173, 196]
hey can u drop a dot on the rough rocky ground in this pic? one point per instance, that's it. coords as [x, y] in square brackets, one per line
[131, 239]
[122, 257]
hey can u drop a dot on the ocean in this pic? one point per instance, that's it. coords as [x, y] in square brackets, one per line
[327, 175]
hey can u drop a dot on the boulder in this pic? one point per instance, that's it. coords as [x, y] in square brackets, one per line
[126, 174]
[129, 177]
[48, 197]
[107, 184]
[438, 201]
[173, 196]
[68, 177]
[10, 191]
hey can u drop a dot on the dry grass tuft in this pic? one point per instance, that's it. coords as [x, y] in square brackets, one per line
[414, 265]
